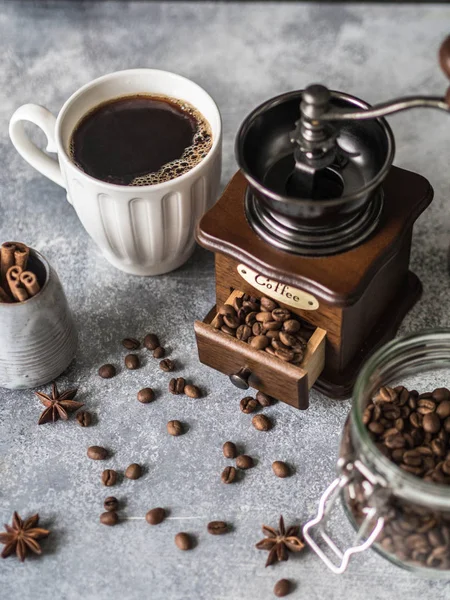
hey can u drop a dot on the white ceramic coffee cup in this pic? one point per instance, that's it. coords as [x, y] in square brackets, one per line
[145, 230]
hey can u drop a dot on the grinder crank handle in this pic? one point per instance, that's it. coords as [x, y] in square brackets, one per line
[399, 104]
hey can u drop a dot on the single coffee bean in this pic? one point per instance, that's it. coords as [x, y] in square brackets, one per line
[385, 394]
[155, 516]
[395, 441]
[183, 541]
[217, 527]
[84, 418]
[107, 371]
[151, 341]
[227, 310]
[243, 332]
[231, 321]
[426, 406]
[281, 314]
[167, 365]
[131, 343]
[109, 477]
[376, 428]
[228, 475]
[229, 450]
[132, 361]
[159, 352]
[441, 394]
[272, 326]
[262, 317]
[192, 391]
[244, 462]
[261, 423]
[282, 588]
[228, 330]
[287, 339]
[251, 305]
[176, 385]
[109, 518]
[264, 400]
[133, 471]
[97, 453]
[286, 355]
[248, 405]
[291, 326]
[174, 428]
[237, 303]
[281, 469]
[250, 318]
[111, 504]
[257, 329]
[146, 395]
[260, 342]
[431, 422]
[443, 409]
[268, 304]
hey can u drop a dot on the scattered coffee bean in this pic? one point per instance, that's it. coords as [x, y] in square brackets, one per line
[132, 361]
[228, 475]
[109, 477]
[248, 405]
[244, 462]
[217, 527]
[151, 341]
[97, 453]
[131, 343]
[84, 418]
[264, 400]
[176, 385]
[281, 469]
[109, 518]
[183, 541]
[159, 352]
[111, 504]
[167, 365]
[107, 371]
[192, 391]
[133, 471]
[174, 428]
[146, 395]
[261, 423]
[229, 450]
[155, 516]
[282, 588]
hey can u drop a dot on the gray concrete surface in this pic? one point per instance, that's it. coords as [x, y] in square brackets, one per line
[242, 54]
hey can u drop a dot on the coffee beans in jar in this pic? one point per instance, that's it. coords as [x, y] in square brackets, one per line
[266, 326]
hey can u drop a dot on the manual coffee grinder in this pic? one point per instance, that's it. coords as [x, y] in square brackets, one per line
[318, 219]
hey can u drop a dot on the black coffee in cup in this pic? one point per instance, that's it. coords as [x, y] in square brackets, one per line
[140, 140]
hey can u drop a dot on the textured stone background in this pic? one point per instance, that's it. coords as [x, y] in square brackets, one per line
[242, 54]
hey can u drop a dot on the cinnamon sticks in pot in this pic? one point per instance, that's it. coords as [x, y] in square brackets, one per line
[16, 283]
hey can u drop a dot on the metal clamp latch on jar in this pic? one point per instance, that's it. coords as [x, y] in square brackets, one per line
[371, 484]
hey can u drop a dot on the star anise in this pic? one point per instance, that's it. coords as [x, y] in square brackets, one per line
[58, 405]
[21, 536]
[280, 542]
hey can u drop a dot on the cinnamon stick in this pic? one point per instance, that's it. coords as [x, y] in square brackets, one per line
[30, 283]
[13, 279]
[7, 258]
[21, 254]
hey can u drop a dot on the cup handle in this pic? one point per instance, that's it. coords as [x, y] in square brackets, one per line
[36, 157]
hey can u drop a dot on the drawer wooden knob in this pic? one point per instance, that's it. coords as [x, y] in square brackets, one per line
[240, 379]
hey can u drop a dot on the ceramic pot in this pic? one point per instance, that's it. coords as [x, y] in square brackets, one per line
[38, 338]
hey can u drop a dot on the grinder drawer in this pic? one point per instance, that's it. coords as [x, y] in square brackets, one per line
[267, 373]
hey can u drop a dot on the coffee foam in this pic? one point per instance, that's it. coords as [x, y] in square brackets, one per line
[192, 155]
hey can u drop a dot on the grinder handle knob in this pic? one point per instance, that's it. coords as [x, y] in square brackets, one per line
[240, 379]
[444, 61]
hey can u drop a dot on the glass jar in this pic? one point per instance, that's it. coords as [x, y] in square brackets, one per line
[402, 516]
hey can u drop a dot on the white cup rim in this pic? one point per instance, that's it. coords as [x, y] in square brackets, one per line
[145, 188]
